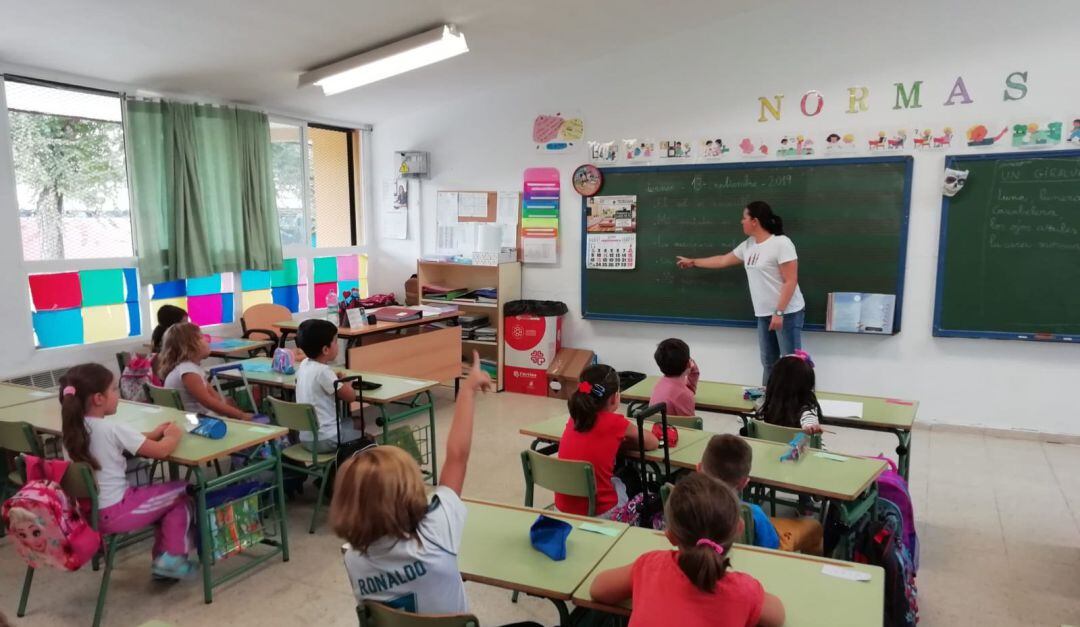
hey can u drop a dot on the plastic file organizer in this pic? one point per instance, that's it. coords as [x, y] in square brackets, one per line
[238, 515]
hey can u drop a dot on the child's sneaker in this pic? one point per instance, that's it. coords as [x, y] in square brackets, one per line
[172, 567]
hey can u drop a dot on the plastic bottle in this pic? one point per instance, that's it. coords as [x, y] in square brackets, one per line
[331, 308]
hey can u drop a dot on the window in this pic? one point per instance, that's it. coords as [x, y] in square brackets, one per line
[71, 183]
[208, 300]
[286, 287]
[287, 157]
[335, 275]
[84, 307]
[331, 153]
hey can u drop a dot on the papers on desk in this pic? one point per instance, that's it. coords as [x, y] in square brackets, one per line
[841, 409]
[594, 528]
[151, 409]
[41, 394]
[266, 367]
[840, 572]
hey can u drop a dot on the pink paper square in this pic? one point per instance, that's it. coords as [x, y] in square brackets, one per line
[205, 309]
[347, 268]
[321, 290]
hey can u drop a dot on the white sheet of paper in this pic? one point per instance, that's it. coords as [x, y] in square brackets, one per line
[395, 224]
[540, 249]
[446, 210]
[840, 572]
[506, 214]
[472, 205]
[841, 409]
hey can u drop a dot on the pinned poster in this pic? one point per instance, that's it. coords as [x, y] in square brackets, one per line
[540, 216]
[557, 133]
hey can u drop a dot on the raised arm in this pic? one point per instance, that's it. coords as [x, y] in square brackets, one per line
[459, 440]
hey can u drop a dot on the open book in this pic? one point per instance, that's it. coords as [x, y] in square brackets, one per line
[857, 312]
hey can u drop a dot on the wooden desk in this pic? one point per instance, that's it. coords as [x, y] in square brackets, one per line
[408, 349]
[551, 430]
[810, 597]
[495, 550]
[11, 394]
[237, 347]
[194, 451]
[892, 415]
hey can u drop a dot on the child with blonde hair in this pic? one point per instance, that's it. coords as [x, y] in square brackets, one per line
[185, 347]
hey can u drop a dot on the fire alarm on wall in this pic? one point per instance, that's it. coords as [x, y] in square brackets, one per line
[412, 163]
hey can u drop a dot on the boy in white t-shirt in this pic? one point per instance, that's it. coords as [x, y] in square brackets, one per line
[315, 386]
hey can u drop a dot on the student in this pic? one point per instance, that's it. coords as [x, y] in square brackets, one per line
[184, 349]
[680, 380]
[89, 393]
[594, 433]
[692, 586]
[402, 547]
[789, 396]
[167, 316]
[728, 458]
[315, 384]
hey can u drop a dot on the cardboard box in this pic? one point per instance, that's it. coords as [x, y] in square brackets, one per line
[531, 343]
[565, 371]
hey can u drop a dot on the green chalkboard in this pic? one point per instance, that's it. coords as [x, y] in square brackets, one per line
[1009, 250]
[847, 217]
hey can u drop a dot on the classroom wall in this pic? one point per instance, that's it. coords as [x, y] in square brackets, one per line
[706, 80]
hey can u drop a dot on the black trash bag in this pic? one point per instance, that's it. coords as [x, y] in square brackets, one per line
[535, 308]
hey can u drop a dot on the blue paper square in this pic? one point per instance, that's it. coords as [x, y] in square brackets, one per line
[251, 280]
[169, 289]
[227, 307]
[288, 296]
[204, 285]
[131, 284]
[134, 319]
[63, 327]
[343, 286]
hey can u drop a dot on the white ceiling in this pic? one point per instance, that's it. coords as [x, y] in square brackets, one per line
[252, 51]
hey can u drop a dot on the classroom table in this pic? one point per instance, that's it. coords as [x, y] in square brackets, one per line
[194, 452]
[551, 430]
[11, 394]
[401, 392]
[495, 551]
[891, 415]
[810, 597]
[237, 347]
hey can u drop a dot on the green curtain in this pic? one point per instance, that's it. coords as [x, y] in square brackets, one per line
[203, 190]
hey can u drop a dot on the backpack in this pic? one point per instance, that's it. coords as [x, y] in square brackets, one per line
[45, 523]
[283, 361]
[137, 373]
[882, 545]
[892, 487]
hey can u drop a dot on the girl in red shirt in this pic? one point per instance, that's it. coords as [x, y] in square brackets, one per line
[594, 433]
[691, 586]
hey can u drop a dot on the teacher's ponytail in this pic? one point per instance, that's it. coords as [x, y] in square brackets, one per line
[763, 213]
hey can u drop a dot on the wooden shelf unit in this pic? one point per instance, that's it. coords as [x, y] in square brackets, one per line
[505, 277]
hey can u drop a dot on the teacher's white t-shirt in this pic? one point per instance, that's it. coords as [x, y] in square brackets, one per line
[762, 263]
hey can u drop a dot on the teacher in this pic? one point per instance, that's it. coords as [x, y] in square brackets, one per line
[772, 270]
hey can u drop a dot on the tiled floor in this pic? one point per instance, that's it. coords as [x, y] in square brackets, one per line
[999, 523]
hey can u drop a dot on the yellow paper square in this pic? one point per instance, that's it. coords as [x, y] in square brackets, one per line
[105, 322]
[361, 260]
[255, 297]
[155, 305]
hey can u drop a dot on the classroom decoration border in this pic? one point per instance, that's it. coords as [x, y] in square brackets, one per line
[287, 287]
[208, 300]
[84, 306]
[342, 273]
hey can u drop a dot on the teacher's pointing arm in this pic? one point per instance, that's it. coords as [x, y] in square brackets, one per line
[716, 261]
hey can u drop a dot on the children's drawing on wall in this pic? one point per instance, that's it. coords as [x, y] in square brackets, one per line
[713, 148]
[675, 149]
[795, 146]
[603, 152]
[978, 136]
[1074, 134]
[927, 139]
[1036, 135]
[838, 144]
[556, 133]
[638, 149]
[889, 141]
[753, 147]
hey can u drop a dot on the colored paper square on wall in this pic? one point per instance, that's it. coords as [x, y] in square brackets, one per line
[288, 275]
[134, 319]
[361, 263]
[287, 296]
[156, 304]
[105, 322]
[365, 288]
[168, 289]
[228, 283]
[347, 268]
[304, 292]
[227, 308]
[254, 280]
[131, 285]
[343, 286]
[205, 309]
[255, 297]
[321, 290]
[325, 270]
[102, 287]
[55, 291]
[58, 328]
[201, 286]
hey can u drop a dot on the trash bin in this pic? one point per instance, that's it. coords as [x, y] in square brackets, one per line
[533, 335]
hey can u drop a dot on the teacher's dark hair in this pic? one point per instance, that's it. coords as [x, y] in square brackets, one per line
[763, 213]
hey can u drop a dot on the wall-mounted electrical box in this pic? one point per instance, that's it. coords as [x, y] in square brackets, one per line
[412, 163]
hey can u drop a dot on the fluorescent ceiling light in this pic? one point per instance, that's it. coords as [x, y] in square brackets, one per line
[396, 58]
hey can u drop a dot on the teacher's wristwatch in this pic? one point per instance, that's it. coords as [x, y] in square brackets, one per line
[778, 312]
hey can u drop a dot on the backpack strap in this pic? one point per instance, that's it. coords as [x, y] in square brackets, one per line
[41, 468]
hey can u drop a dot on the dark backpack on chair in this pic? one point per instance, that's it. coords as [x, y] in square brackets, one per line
[645, 508]
[881, 544]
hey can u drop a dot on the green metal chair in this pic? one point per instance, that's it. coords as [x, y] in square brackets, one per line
[301, 417]
[683, 422]
[165, 397]
[78, 483]
[762, 430]
[372, 614]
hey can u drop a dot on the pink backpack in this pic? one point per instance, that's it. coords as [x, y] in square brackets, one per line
[45, 523]
[892, 486]
[137, 373]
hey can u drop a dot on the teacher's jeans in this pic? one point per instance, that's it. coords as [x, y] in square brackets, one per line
[774, 344]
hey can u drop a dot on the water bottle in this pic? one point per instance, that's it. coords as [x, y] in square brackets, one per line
[331, 308]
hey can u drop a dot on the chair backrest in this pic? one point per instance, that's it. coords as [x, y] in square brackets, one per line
[264, 316]
[683, 422]
[20, 437]
[164, 397]
[748, 524]
[122, 359]
[764, 431]
[372, 614]
[564, 476]
[294, 416]
[665, 492]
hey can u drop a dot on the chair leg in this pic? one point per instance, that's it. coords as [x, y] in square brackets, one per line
[514, 597]
[27, 580]
[217, 467]
[110, 554]
[324, 480]
[772, 502]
